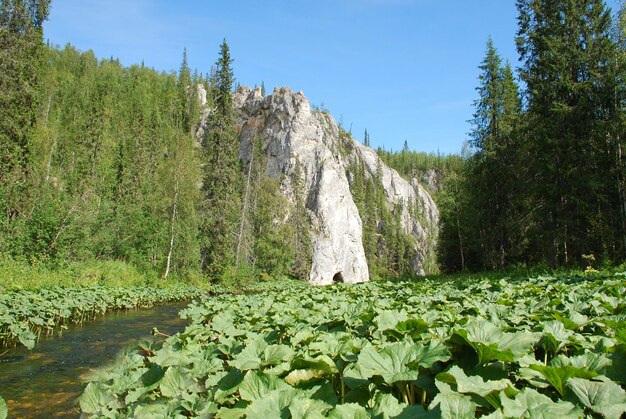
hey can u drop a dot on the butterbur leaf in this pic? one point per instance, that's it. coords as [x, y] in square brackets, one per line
[412, 327]
[558, 376]
[273, 404]
[493, 344]
[98, 401]
[256, 385]
[427, 356]
[176, 383]
[519, 343]
[387, 406]
[454, 405]
[556, 335]
[607, 398]
[297, 376]
[389, 319]
[320, 362]
[349, 410]
[4, 411]
[391, 363]
[474, 384]
[27, 338]
[275, 354]
[230, 382]
[251, 357]
[530, 403]
[156, 410]
[399, 361]
[228, 413]
[301, 408]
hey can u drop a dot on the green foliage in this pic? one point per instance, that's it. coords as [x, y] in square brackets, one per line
[273, 246]
[544, 183]
[388, 250]
[415, 164]
[222, 180]
[22, 60]
[113, 172]
[463, 348]
[25, 315]
[575, 132]
[299, 221]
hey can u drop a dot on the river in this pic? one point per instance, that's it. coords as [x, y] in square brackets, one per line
[46, 381]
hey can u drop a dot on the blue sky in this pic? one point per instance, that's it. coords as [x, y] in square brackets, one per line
[403, 69]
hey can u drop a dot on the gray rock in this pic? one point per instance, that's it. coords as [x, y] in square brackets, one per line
[422, 225]
[292, 132]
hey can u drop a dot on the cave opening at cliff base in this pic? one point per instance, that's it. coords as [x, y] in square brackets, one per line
[338, 277]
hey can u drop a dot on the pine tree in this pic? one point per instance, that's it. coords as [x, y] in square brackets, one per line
[366, 138]
[222, 177]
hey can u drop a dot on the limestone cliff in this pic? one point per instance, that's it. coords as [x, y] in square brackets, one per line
[291, 131]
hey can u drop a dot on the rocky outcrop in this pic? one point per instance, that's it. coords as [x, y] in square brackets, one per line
[422, 224]
[291, 131]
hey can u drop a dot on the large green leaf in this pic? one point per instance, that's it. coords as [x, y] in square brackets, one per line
[256, 385]
[273, 404]
[297, 376]
[348, 410]
[531, 404]
[474, 384]
[453, 405]
[98, 401]
[251, 357]
[389, 319]
[399, 361]
[304, 408]
[607, 398]
[4, 411]
[320, 362]
[175, 383]
[491, 343]
[558, 376]
[387, 406]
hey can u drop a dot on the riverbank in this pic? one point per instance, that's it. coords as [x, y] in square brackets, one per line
[27, 315]
[45, 381]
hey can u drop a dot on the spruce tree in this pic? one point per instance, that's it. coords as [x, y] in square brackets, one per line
[493, 167]
[222, 175]
[566, 49]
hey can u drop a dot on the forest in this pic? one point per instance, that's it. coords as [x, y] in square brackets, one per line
[101, 162]
[122, 188]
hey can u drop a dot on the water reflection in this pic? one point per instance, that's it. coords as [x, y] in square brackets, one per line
[46, 381]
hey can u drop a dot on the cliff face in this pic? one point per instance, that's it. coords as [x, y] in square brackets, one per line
[292, 132]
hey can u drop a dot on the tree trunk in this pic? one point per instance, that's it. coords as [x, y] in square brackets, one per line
[172, 222]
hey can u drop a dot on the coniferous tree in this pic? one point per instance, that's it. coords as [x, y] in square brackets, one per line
[492, 169]
[300, 222]
[567, 50]
[22, 67]
[222, 177]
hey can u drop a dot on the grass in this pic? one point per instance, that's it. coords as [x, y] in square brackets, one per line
[18, 275]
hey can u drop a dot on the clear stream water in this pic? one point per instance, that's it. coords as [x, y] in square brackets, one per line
[46, 381]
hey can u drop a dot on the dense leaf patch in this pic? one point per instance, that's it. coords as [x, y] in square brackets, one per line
[542, 347]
